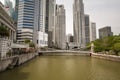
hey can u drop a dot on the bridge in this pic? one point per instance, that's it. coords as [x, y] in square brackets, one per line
[64, 52]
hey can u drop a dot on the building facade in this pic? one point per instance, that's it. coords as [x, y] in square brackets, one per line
[60, 29]
[15, 13]
[92, 31]
[25, 19]
[87, 29]
[7, 22]
[31, 20]
[50, 21]
[79, 23]
[39, 20]
[42, 39]
[105, 32]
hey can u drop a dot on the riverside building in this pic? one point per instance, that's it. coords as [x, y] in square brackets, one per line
[105, 32]
[25, 22]
[6, 21]
[31, 21]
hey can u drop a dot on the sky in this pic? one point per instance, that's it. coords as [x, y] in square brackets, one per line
[103, 12]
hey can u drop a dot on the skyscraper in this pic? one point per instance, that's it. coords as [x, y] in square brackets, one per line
[79, 23]
[60, 29]
[25, 21]
[92, 31]
[39, 20]
[105, 32]
[87, 29]
[15, 13]
[50, 21]
[31, 21]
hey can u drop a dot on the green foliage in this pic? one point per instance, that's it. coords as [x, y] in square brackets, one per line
[116, 48]
[31, 44]
[27, 41]
[88, 46]
[9, 53]
[4, 32]
[107, 44]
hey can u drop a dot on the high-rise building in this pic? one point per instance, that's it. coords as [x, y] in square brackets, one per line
[79, 23]
[25, 21]
[31, 21]
[105, 32]
[39, 21]
[92, 31]
[50, 21]
[87, 29]
[60, 29]
[15, 13]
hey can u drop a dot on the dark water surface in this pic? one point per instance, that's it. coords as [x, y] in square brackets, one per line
[64, 68]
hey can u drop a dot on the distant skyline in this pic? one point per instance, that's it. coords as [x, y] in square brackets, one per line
[103, 12]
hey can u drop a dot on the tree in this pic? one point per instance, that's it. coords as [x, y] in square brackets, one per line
[111, 43]
[4, 32]
[31, 44]
[27, 41]
[98, 45]
[116, 48]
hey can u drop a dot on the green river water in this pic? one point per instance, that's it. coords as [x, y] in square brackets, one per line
[64, 68]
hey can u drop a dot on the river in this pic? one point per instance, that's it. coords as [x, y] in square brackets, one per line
[64, 68]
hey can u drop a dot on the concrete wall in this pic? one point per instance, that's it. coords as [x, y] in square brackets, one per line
[4, 64]
[66, 54]
[4, 47]
[107, 57]
[24, 58]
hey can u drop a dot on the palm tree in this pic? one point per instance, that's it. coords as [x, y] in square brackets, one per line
[3, 32]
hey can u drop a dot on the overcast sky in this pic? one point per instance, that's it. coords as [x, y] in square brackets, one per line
[103, 12]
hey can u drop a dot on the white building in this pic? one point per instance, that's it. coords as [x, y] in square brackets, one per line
[23, 34]
[79, 23]
[60, 29]
[42, 39]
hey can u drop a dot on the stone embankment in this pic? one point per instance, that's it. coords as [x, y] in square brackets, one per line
[64, 53]
[107, 57]
[11, 63]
